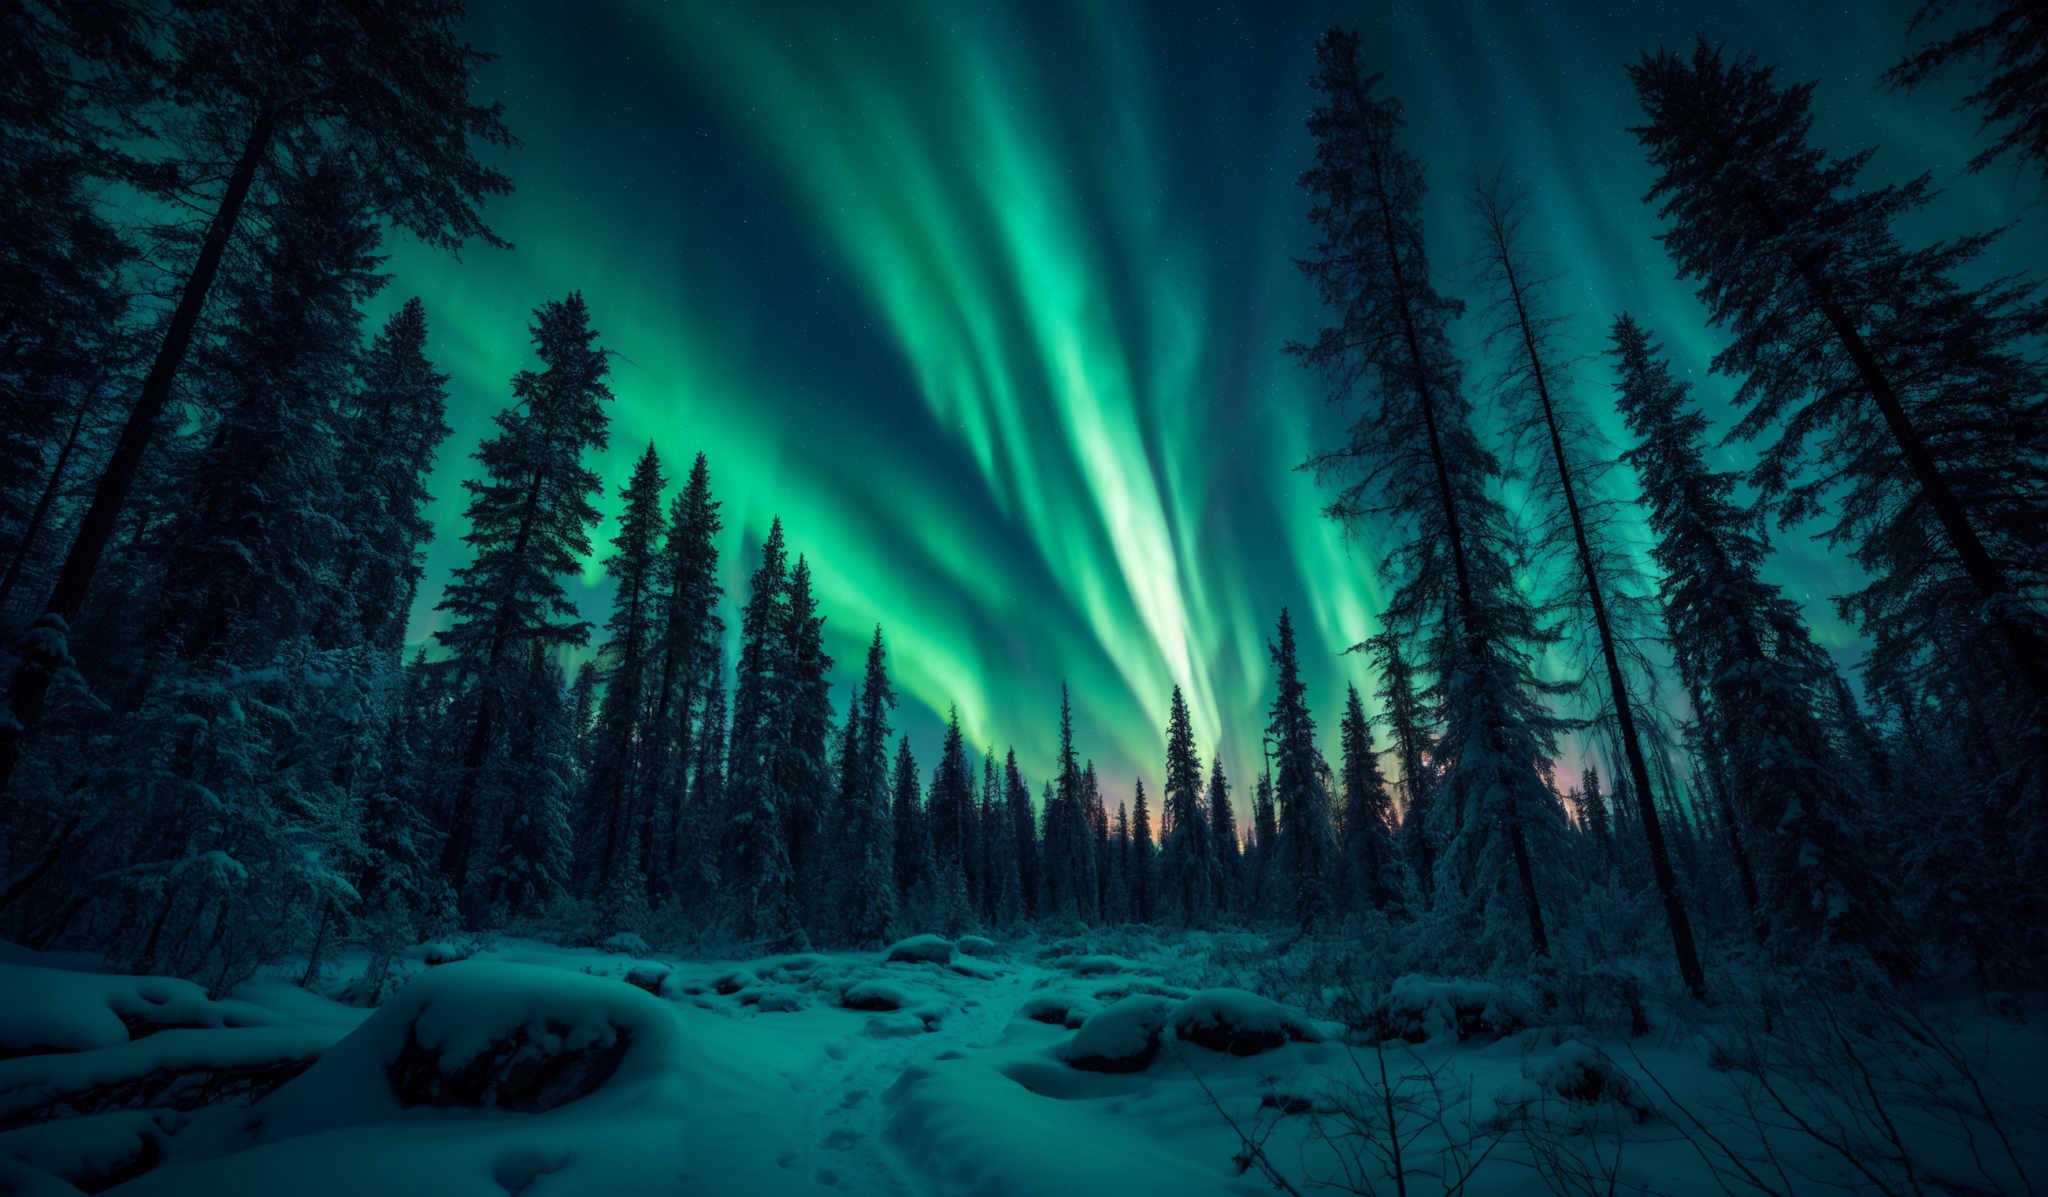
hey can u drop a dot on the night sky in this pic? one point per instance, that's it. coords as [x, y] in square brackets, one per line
[987, 301]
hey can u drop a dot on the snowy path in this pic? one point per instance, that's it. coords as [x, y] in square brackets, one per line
[843, 1105]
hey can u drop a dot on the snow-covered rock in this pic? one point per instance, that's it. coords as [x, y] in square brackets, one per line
[920, 949]
[873, 995]
[975, 945]
[1239, 1023]
[1123, 1037]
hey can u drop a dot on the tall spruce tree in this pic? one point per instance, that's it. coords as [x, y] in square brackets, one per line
[530, 516]
[383, 88]
[1140, 869]
[1187, 858]
[759, 883]
[1744, 647]
[801, 766]
[867, 842]
[1909, 406]
[1297, 786]
[610, 814]
[1368, 842]
[1024, 829]
[1537, 394]
[1223, 829]
[1411, 457]
[251, 553]
[391, 432]
[690, 630]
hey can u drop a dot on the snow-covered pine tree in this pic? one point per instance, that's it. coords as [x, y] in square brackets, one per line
[690, 633]
[757, 883]
[913, 866]
[391, 427]
[801, 756]
[249, 558]
[1024, 834]
[626, 659]
[530, 516]
[388, 99]
[866, 889]
[1370, 870]
[1745, 649]
[1411, 458]
[1304, 834]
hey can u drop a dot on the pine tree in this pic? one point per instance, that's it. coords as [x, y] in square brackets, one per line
[1265, 886]
[1140, 869]
[1743, 646]
[758, 879]
[690, 632]
[949, 797]
[530, 517]
[912, 865]
[1368, 841]
[867, 842]
[1065, 827]
[391, 430]
[801, 766]
[989, 827]
[67, 74]
[1187, 858]
[1411, 457]
[249, 557]
[1223, 829]
[1537, 393]
[1024, 830]
[1297, 788]
[2010, 45]
[383, 89]
[1402, 709]
[1911, 407]
[610, 814]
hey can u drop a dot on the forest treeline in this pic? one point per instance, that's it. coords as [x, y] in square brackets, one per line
[218, 751]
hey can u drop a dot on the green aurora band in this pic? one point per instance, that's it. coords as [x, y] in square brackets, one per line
[987, 304]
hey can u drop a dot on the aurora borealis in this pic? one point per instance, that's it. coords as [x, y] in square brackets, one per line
[987, 302]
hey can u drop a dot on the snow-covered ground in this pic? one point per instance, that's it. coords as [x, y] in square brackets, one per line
[1034, 1067]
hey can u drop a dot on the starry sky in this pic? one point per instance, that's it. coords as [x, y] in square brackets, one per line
[986, 302]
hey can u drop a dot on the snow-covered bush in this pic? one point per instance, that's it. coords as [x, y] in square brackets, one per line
[1239, 1023]
[1123, 1037]
[1417, 1009]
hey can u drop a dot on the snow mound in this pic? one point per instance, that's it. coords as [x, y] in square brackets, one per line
[1418, 1009]
[182, 1069]
[92, 1153]
[626, 943]
[1239, 1023]
[873, 995]
[1097, 966]
[921, 949]
[1579, 1072]
[1058, 1009]
[57, 1010]
[480, 1035]
[975, 945]
[1120, 1038]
